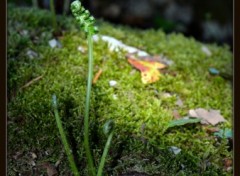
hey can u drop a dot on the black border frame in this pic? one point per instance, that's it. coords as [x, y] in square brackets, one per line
[3, 94]
[3, 126]
[236, 87]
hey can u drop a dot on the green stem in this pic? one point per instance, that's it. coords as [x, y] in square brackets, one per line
[91, 167]
[35, 3]
[64, 139]
[66, 7]
[106, 148]
[54, 20]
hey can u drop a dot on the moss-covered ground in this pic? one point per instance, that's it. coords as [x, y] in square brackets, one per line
[141, 112]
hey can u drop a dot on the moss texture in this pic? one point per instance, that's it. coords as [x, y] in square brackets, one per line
[140, 111]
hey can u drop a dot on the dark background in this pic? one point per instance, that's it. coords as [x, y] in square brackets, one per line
[205, 20]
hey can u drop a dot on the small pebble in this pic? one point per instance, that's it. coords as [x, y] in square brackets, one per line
[32, 163]
[206, 51]
[213, 71]
[46, 153]
[179, 102]
[24, 32]
[112, 83]
[33, 155]
[175, 150]
[31, 54]
[54, 43]
[81, 49]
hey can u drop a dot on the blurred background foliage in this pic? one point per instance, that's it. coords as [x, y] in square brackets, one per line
[207, 21]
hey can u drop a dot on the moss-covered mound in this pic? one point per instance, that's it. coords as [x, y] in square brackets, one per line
[141, 112]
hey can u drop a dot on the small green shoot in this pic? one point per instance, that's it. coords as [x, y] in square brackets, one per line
[86, 22]
[63, 137]
[54, 19]
[108, 130]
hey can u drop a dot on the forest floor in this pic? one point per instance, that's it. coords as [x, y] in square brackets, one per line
[155, 131]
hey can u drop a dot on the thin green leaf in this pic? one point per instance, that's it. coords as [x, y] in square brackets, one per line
[182, 122]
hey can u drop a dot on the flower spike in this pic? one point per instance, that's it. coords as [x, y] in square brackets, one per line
[83, 17]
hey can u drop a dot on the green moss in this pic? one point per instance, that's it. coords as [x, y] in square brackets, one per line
[139, 111]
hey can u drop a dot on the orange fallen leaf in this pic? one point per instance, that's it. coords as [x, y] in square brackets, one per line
[149, 69]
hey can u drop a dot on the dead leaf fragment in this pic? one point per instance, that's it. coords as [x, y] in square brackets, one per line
[31, 82]
[176, 114]
[97, 76]
[33, 155]
[57, 163]
[149, 69]
[51, 170]
[179, 102]
[212, 117]
[17, 155]
[227, 164]
[211, 129]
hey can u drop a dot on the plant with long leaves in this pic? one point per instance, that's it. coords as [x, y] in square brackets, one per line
[64, 138]
[86, 22]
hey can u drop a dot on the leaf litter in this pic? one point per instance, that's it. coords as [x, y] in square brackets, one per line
[96, 77]
[149, 68]
[51, 170]
[176, 114]
[32, 81]
[115, 44]
[148, 65]
[212, 117]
